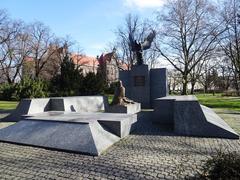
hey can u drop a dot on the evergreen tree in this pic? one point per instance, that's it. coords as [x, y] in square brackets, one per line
[69, 81]
[93, 84]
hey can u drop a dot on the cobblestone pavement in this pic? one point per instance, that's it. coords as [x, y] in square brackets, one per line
[149, 153]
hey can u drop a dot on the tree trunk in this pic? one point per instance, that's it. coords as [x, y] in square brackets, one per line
[213, 92]
[238, 91]
[237, 86]
[185, 82]
[169, 89]
[37, 73]
[236, 83]
[9, 80]
[192, 87]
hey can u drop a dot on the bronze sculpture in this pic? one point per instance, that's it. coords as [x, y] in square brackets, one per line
[119, 96]
[138, 47]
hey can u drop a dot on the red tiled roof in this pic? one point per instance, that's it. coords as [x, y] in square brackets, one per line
[84, 60]
[88, 60]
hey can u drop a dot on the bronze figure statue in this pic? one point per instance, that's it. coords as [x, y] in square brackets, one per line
[119, 96]
[138, 47]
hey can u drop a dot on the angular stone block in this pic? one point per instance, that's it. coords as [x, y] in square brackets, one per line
[68, 104]
[84, 103]
[28, 106]
[190, 118]
[140, 85]
[116, 123]
[89, 138]
[120, 128]
[127, 109]
[163, 111]
[158, 84]
[90, 133]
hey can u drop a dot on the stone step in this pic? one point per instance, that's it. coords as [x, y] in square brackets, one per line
[87, 138]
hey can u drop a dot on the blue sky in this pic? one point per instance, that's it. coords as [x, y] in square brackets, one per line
[91, 23]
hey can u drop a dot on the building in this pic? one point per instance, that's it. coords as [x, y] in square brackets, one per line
[107, 64]
[109, 67]
[85, 63]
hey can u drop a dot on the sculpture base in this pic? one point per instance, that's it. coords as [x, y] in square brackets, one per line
[189, 118]
[127, 109]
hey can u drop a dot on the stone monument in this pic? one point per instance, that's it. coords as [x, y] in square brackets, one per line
[144, 85]
[78, 124]
[121, 104]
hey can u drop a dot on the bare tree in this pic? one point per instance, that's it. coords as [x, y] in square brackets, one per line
[30, 50]
[225, 71]
[4, 21]
[57, 51]
[41, 40]
[195, 75]
[188, 34]
[174, 81]
[138, 30]
[14, 50]
[230, 42]
[4, 26]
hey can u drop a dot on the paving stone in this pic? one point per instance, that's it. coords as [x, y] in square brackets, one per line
[148, 153]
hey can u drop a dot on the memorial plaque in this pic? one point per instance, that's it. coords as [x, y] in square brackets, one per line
[139, 80]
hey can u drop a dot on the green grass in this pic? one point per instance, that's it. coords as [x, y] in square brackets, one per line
[110, 97]
[6, 105]
[219, 101]
[227, 108]
[233, 119]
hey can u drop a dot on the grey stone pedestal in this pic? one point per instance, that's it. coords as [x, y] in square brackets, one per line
[140, 85]
[143, 85]
[127, 109]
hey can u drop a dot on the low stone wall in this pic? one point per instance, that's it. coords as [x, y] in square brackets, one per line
[80, 103]
[69, 104]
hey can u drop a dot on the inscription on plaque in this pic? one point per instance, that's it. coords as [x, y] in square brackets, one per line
[139, 80]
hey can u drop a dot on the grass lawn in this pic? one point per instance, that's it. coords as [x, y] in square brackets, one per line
[6, 105]
[233, 119]
[110, 98]
[219, 101]
[227, 108]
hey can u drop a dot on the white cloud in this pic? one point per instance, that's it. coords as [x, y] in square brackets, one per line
[144, 3]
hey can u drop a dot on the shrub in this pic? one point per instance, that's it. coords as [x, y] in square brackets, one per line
[222, 166]
[93, 84]
[30, 88]
[26, 88]
[8, 92]
[69, 80]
